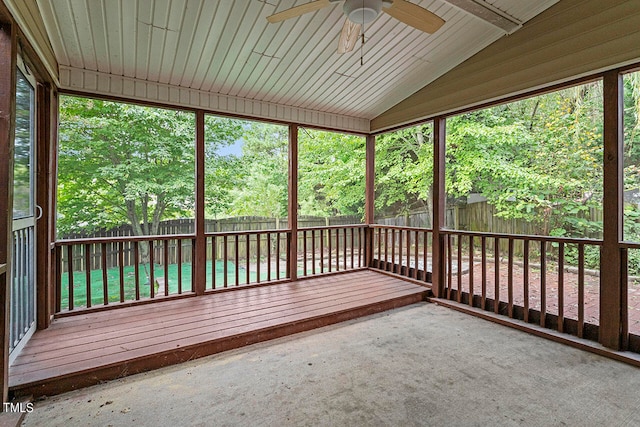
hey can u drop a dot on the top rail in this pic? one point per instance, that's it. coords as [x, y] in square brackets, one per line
[630, 245]
[400, 227]
[525, 237]
[333, 227]
[245, 232]
[117, 239]
[3, 268]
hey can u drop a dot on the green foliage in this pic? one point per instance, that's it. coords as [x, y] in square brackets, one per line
[122, 163]
[539, 160]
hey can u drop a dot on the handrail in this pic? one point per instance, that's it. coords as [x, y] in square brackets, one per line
[333, 227]
[3, 268]
[629, 245]
[553, 239]
[399, 227]
[117, 239]
[245, 232]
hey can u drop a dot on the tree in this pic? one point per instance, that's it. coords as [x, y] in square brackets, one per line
[122, 163]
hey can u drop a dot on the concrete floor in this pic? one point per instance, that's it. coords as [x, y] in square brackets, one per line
[419, 365]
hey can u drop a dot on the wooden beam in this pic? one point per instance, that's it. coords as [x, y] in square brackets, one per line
[200, 260]
[292, 240]
[439, 202]
[369, 198]
[488, 13]
[8, 49]
[52, 192]
[613, 294]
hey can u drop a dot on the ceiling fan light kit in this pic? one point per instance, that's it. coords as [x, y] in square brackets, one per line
[361, 12]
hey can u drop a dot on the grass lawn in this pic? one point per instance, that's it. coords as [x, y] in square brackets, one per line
[113, 282]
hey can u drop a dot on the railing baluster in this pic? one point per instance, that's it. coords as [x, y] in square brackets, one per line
[179, 264]
[449, 265]
[70, 276]
[483, 302]
[225, 251]
[379, 254]
[321, 251]
[393, 250]
[166, 267]
[416, 237]
[278, 255]
[398, 265]
[424, 255]
[136, 268]
[313, 251]
[510, 280]
[247, 255]
[386, 249]
[344, 246]
[237, 259]
[87, 267]
[580, 290]
[121, 269]
[268, 257]
[353, 245]
[337, 249]
[561, 287]
[471, 270]
[152, 280]
[525, 279]
[105, 278]
[459, 265]
[496, 256]
[408, 269]
[304, 252]
[329, 247]
[543, 282]
[214, 260]
[258, 257]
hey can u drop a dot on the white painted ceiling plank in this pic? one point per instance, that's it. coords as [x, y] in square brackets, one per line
[210, 46]
[185, 41]
[176, 18]
[160, 23]
[129, 19]
[143, 37]
[113, 31]
[52, 26]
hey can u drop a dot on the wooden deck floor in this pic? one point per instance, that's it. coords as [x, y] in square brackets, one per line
[79, 351]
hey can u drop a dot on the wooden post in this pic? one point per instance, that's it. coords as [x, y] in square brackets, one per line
[51, 213]
[200, 259]
[43, 252]
[292, 239]
[613, 295]
[8, 49]
[369, 198]
[439, 198]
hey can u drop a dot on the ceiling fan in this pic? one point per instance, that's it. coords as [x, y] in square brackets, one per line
[360, 12]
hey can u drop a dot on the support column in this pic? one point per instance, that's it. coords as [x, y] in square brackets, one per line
[369, 198]
[200, 260]
[43, 137]
[439, 205]
[8, 49]
[292, 213]
[613, 292]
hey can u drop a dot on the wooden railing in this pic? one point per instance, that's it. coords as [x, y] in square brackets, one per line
[330, 249]
[246, 257]
[103, 271]
[402, 250]
[537, 279]
[630, 255]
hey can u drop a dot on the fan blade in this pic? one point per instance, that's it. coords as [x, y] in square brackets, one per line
[414, 16]
[348, 36]
[298, 10]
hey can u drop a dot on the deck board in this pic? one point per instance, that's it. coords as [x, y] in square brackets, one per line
[81, 350]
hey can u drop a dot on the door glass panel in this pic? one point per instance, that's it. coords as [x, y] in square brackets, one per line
[22, 168]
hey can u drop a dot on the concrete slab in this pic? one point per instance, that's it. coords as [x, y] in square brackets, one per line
[419, 365]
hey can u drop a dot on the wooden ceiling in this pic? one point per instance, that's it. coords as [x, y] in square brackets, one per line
[223, 55]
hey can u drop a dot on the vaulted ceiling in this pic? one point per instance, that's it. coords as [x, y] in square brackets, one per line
[224, 56]
[228, 49]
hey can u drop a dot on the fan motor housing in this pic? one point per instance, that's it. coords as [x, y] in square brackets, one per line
[362, 11]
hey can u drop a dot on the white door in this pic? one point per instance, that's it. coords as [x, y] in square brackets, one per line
[23, 270]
